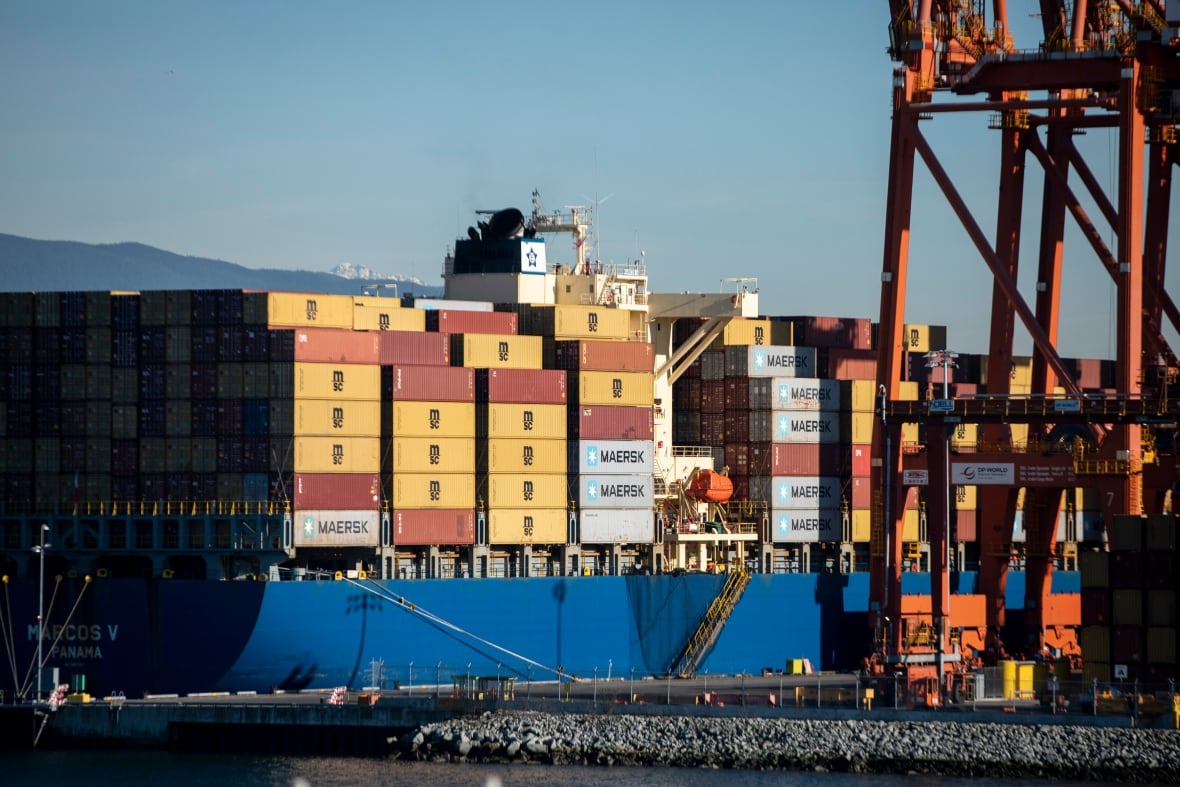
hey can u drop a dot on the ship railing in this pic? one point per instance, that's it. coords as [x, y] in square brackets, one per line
[180, 507]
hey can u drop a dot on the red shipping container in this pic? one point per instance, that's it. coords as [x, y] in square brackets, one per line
[337, 345]
[861, 459]
[966, 528]
[713, 428]
[737, 458]
[606, 422]
[845, 332]
[964, 389]
[847, 364]
[413, 347]
[861, 492]
[528, 386]
[604, 356]
[461, 321]
[423, 527]
[712, 396]
[759, 459]
[409, 383]
[336, 491]
[737, 426]
[808, 459]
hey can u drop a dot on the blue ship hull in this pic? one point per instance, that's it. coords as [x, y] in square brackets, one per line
[178, 636]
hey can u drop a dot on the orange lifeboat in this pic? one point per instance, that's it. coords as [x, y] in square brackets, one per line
[709, 486]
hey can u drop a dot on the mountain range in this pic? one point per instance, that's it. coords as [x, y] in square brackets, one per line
[29, 265]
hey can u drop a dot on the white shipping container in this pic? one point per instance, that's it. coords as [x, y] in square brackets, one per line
[806, 393]
[806, 426]
[806, 525]
[616, 491]
[632, 457]
[616, 526]
[804, 492]
[770, 361]
[436, 304]
[321, 528]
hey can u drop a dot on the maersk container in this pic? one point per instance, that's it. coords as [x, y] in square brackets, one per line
[614, 457]
[523, 455]
[433, 419]
[337, 528]
[533, 386]
[336, 490]
[496, 351]
[338, 381]
[301, 310]
[510, 526]
[337, 417]
[447, 320]
[541, 421]
[591, 355]
[806, 393]
[633, 389]
[429, 526]
[381, 319]
[434, 454]
[806, 426]
[616, 526]
[615, 491]
[337, 454]
[588, 422]
[433, 490]
[805, 491]
[803, 525]
[429, 383]
[771, 361]
[415, 347]
[524, 490]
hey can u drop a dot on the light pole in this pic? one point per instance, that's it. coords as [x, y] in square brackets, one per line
[40, 550]
[945, 359]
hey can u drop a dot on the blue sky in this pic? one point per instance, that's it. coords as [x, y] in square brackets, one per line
[745, 139]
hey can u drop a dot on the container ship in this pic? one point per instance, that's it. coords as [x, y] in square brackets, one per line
[549, 472]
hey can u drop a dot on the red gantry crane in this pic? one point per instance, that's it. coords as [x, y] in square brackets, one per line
[1100, 65]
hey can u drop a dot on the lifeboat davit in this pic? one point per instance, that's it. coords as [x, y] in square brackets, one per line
[709, 486]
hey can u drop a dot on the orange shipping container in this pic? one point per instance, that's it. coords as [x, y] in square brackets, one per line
[335, 345]
[427, 526]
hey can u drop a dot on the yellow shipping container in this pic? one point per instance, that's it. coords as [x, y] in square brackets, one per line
[909, 434]
[860, 430]
[909, 526]
[965, 436]
[301, 309]
[348, 381]
[862, 521]
[908, 392]
[527, 525]
[378, 318]
[923, 338]
[500, 351]
[434, 454]
[573, 321]
[966, 497]
[1019, 375]
[526, 490]
[862, 395]
[433, 419]
[337, 454]
[376, 302]
[337, 417]
[433, 490]
[540, 421]
[526, 455]
[745, 332]
[631, 389]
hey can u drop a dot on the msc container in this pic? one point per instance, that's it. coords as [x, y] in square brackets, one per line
[615, 388]
[337, 454]
[534, 386]
[542, 421]
[630, 457]
[923, 338]
[465, 321]
[336, 417]
[524, 490]
[378, 318]
[300, 310]
[434, 454]
[430, 526]
[412, 347]
[574, 321]
[590, 355]
[806, 525]
[433, 490]
[806, 426]
[615, 491]
[337, 528]
[770, 361]
[588, 422]
[433, 419]
[805, 492]
[523, 455]
[805, 393]
[429, 383]
[616, 526]
[744, 331]
[335, 345]
[496, 351]
[527, 525]
[336, 491]
[337, 381]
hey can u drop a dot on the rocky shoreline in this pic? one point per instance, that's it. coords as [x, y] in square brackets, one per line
[850, 746]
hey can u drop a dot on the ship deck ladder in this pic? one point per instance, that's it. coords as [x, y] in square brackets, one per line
[710, 628]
